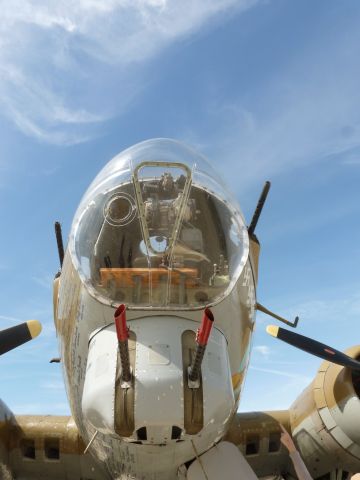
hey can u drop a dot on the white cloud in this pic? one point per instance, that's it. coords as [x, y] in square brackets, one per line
[37, 110]
[53, 53]
[263, 350]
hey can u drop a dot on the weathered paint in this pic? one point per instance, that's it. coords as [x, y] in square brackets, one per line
[261, 425]
[325, 420]
[78, 315]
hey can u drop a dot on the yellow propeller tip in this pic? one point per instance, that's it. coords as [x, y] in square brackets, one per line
[34, 327]
[272, 330]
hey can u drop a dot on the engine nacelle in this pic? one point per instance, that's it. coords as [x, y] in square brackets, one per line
[325, 419]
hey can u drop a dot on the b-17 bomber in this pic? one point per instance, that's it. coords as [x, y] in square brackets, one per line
[154, 309]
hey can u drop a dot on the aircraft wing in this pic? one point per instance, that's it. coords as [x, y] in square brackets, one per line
[40, 447]
[43, 447]
[47, 447]
[257, 435]
[323, 421]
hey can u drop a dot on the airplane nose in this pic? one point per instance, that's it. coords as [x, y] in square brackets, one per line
[157, 406]
[158, 229]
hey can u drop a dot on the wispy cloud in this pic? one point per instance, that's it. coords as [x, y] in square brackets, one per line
[276, 381]
[353, 159]
[296, 376]
[321, 314]
[54, 56]
[263, 350]
[307, 111]
[339, 308]
[269, 389]
[53, 385]
[37, 110]
[311, 221]
[45, 280]
[5, 319]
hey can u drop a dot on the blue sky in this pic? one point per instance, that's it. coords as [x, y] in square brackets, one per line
[265, 89]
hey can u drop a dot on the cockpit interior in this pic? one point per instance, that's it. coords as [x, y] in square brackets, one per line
[159, 239]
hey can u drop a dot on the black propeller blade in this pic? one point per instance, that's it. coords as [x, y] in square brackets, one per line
[312, 346]
[14, 336]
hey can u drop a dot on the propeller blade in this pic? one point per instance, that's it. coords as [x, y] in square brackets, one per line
[312, 346]
[12, 337]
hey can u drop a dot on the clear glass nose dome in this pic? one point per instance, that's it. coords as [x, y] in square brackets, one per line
[158, 229]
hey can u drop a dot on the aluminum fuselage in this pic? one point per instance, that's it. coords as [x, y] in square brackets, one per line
[77, 315]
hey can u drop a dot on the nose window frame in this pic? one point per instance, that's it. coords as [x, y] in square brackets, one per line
[141, 207]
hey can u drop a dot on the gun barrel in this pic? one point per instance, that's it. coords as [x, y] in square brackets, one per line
[259, 208]
[59, 241]
[202, 338]
[123, 335]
